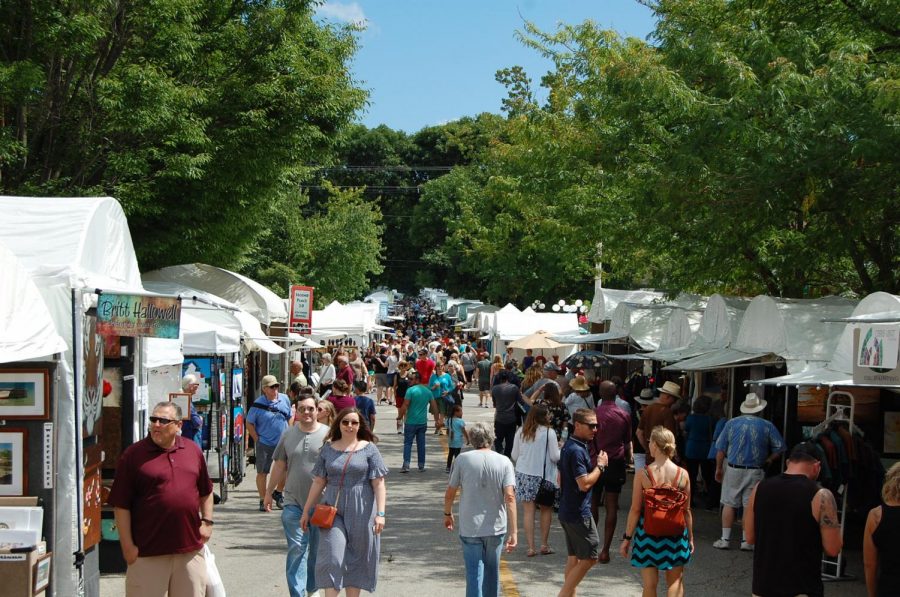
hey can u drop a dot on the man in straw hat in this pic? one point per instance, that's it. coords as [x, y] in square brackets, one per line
[745, 447]
[659, 413]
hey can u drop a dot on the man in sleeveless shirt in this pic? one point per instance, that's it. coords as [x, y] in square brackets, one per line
[792, 520]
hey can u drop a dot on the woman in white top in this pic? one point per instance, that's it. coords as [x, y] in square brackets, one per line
[392, 362]
[535, 452]
[326, 374]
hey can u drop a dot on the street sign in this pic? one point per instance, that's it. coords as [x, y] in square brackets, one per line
[301, 309]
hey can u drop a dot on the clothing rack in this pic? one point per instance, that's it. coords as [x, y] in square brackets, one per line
[832, 569]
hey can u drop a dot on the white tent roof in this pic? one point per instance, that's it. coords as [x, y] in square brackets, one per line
[839, 370]
[86, 240]
[249, 295]
[353, 319]
[790, 329]
[27, 330]
[607, 299]
[718, 328]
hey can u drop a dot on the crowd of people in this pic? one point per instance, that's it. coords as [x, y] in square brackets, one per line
[562, 440]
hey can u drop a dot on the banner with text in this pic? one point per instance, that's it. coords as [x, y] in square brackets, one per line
[134, 315]
[301, 309]
[876, 348]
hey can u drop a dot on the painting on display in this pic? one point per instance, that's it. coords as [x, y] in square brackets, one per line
[13, 462]
[237, 383]
[183, 400]
[202, 368]
[92, 396]
[238, 424]
[24, 394]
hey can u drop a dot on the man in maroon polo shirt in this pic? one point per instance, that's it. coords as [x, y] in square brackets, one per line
[163, 503]
[345, 371]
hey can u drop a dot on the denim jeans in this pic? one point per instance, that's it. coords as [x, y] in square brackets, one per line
[417, 432]
[482, 557]
[301, 556]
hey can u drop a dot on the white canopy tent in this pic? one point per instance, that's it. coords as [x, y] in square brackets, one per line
[70, 247]
[247, 294]
[27, 330]
[839, 370]
[788, 329]
[718, 328]
[355, 320]
[606, 300]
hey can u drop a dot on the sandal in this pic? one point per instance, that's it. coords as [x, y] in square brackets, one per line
[531, 553]
[546, 550]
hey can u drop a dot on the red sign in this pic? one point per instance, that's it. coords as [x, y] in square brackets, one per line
[301, 309]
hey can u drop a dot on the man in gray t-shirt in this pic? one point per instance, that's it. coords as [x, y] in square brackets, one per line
[294, 458]
[487, 509]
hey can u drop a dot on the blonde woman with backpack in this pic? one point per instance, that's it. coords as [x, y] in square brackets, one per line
[652, 552]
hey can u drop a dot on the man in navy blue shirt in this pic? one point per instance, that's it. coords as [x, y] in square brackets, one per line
[577, 475]
[364, 404]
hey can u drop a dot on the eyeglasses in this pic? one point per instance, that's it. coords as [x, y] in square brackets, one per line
[307, 409]
[276, 386]
[162, 420]
[349, 423]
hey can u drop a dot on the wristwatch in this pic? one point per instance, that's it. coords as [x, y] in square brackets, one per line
[626, 537]
[601, 468]
[379, 514]
[207, 521]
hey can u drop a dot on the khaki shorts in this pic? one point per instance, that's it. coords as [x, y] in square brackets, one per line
[182, 574]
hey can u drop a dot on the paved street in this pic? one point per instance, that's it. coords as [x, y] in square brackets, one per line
[419, 557]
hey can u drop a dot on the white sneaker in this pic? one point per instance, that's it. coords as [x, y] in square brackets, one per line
[722, 544]
[746, 546]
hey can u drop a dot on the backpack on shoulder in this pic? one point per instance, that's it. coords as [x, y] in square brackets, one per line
[664, 508]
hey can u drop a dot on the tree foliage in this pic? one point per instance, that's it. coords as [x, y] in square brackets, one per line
[750, 148]
[198, 115]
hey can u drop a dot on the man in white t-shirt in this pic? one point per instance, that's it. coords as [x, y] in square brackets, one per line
[487, 510]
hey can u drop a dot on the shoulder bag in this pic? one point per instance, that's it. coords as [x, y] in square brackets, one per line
[546, 494]
[664, 508]
[323, 514]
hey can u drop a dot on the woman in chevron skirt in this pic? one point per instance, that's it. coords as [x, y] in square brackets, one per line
[648, 552]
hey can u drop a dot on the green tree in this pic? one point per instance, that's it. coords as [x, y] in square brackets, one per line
[198, 115]
[337, 249]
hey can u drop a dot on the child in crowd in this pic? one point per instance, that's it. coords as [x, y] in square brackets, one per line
[457, 433]
[364, 404]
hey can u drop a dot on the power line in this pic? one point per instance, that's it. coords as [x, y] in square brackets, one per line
[401, 168]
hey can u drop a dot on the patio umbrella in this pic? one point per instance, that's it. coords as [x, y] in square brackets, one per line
[585, 359]
[536, 341]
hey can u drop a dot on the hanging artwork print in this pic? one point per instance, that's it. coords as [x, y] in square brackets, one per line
[92, 396]
[24, 394]
[202, 368]
[237, 383]
[13, 462]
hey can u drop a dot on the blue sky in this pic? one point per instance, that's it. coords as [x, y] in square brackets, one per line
[427, 62]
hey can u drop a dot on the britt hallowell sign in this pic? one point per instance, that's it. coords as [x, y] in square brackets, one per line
[133, 315]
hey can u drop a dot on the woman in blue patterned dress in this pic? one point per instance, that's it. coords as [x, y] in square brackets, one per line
[348, 552]
[648, 552]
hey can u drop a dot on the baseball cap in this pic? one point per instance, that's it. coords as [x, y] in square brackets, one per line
[269, 381]
[805, 452]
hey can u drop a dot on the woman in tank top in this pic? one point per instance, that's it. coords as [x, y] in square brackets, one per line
[881, 549]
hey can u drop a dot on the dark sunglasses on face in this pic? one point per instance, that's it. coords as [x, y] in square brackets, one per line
[162, 420]
[349, 423]
[307, 409]
[590, 425]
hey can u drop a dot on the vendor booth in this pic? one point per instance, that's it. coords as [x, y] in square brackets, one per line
[78, 253]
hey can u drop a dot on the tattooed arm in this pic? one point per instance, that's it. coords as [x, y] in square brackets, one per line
[825, 511]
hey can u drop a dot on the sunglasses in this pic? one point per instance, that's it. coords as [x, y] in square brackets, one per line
[307, 409]
[349, 423]
[162, 420]
[590, 425]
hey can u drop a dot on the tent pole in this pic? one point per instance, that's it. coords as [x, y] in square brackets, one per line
[78, 356]
[784, 430]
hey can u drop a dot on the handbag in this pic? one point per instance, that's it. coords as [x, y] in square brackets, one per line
[664, 508]
[546, 494]
[214, 585]
[323, 514]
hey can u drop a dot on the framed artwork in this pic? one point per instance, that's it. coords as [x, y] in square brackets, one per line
[24, 394]
[237, 383]
[42, 572]
[184, 402]
[13, 462]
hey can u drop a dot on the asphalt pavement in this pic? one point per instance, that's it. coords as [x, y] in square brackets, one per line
[420, 557]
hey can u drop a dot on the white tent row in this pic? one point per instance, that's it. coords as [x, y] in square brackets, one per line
[878, 306]
[772, 329]
[355, 320]
[718, 328]
[606, 300]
